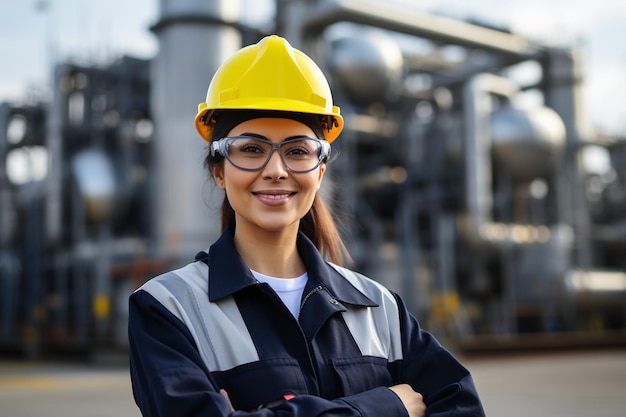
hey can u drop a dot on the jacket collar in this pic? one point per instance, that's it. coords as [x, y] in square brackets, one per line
[229, 274]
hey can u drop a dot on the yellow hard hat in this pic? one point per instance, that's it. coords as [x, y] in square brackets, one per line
[270, 75]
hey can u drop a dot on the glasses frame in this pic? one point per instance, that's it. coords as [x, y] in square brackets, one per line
[220, 146]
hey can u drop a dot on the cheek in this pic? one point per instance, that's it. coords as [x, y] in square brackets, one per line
[311, 185]
[235, 180]
[318, 181]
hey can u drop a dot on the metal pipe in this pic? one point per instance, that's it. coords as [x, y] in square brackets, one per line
[477, 106]
[412, 22]
[56, 116]
[6, 205]
[563, 90]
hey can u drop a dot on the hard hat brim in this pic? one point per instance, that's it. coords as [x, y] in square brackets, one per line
[204, 126]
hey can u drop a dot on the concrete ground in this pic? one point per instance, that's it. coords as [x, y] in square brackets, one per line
[557, 385]
[572, 384]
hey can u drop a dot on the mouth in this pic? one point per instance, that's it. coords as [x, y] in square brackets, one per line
[274, 195]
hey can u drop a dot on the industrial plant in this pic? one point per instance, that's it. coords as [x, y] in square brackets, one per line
[466, 178]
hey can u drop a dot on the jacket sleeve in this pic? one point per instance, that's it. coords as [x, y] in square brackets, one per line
[169, 377]
[447, 386]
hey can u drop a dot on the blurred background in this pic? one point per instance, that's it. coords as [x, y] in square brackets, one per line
[481, 174]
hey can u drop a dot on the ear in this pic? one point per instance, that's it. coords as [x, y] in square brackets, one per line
[218, 176]
[322, 170]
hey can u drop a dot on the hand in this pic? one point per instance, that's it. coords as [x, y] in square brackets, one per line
[413, 401]
[225, 394]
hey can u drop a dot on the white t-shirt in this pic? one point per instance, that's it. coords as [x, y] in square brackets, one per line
[288, 289]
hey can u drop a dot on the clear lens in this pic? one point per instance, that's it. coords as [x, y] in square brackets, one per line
[252, 154]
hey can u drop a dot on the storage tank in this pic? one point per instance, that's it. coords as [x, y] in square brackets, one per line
[367, 63]
[195, 37]
[527, 142]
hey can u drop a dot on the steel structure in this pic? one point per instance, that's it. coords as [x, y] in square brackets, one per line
[475, 207]
[70, 231]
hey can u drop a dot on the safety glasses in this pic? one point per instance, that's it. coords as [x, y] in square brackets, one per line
[300, 154]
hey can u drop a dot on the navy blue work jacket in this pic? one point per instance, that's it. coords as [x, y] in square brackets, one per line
[211, 326]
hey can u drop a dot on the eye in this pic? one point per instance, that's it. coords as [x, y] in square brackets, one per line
[249, 146]
[299, 148]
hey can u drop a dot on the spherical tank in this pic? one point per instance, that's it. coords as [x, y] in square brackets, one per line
[366, 64]
[527, 142]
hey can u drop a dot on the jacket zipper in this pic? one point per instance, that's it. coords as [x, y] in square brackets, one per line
[306, 297]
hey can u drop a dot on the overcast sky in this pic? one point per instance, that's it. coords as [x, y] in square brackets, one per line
[32, 35]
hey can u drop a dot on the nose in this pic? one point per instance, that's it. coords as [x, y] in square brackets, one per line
[275, 167]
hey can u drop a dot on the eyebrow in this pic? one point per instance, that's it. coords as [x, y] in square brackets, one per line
[256, 135]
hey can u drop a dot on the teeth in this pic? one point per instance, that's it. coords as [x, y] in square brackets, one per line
[274, 196]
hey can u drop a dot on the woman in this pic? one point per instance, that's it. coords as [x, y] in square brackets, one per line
[267, 322]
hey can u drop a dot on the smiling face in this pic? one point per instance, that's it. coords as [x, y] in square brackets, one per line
[272, 199]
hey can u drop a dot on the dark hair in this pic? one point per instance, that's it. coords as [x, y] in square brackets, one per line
[225, 120]
[318, 224]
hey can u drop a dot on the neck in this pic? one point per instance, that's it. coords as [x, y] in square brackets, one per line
[270, 253]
